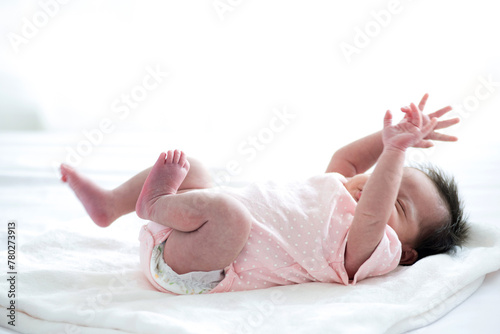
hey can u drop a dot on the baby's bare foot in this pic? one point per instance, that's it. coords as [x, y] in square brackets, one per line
[164, 179]
[97, 201]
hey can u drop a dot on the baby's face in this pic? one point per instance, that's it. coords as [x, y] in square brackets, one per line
[418, 204]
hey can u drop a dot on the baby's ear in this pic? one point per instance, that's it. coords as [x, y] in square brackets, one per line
[408, 256]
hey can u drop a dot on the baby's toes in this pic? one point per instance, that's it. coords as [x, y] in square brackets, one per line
[161, 159]
[170, 157]
[177, 156]
[183, 162]
[186, 166]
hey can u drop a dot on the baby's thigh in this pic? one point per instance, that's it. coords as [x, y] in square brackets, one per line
[214, 245]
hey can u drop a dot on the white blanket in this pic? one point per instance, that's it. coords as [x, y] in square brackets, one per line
[79, 278]
[74, 277]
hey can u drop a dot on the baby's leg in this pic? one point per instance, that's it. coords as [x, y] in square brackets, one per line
[105, 206]
[210, 229]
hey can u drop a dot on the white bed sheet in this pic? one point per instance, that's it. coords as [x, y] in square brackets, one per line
[26, 166]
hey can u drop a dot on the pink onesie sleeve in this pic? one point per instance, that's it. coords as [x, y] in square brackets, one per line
[384, 258]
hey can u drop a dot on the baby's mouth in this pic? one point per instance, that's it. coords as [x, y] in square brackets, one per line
[359, 195]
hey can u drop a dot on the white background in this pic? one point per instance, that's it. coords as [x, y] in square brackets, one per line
[229, 67]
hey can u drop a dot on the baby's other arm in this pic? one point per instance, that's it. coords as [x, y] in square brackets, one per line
[380, 192]
[360, 155]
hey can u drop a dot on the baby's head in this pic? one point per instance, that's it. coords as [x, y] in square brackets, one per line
[427, 216]
[442, 236]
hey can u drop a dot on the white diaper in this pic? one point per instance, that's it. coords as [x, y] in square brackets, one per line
[195, 282]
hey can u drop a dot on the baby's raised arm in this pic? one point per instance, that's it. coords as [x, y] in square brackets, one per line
[380, 192]
[360, 155]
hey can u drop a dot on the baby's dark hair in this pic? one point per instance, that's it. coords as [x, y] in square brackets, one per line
[453, 230]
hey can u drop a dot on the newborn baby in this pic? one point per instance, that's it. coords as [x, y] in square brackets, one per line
[339, 227]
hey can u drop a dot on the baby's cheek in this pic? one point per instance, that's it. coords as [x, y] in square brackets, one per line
[393, 220]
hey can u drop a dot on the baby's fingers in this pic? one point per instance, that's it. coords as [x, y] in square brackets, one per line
[415, 116]
[422, 103]
[427, 129]
[441, 136]
[447, 123]
[440, 112]
[424, 144]
[387, 119]
[407, 111]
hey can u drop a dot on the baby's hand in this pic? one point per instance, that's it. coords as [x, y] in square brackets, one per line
[440, 125]
[411, 131]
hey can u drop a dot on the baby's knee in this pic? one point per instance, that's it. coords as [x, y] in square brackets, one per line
[221, 207]
[235, 214]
